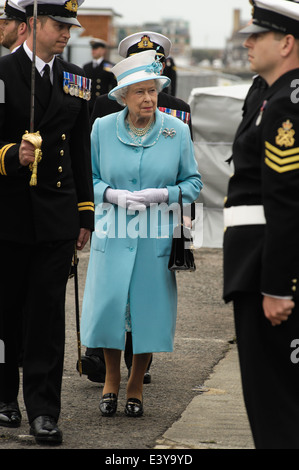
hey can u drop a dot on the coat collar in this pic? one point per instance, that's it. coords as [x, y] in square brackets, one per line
[269, 92]
[150, 140]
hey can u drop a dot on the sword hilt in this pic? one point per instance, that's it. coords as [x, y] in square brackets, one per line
[35, 139]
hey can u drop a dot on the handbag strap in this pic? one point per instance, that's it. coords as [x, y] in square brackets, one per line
[181, 205]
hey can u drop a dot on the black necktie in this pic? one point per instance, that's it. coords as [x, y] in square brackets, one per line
[47, 82]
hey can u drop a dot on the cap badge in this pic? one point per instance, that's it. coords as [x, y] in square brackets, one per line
[71, 5]
[285, 135]
[145, 43]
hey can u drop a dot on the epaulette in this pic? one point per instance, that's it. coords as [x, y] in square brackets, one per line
[107, 66]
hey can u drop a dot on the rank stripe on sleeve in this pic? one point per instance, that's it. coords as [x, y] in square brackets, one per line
[86, 206]
[3, 151]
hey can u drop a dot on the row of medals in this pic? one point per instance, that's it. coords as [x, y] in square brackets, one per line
[75, 90]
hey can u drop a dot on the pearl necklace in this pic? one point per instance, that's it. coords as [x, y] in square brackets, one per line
[137, 130]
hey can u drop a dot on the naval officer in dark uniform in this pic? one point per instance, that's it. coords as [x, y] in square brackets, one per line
[261, 254]
[13, 27]
[99, 71]
[93, 364]
[44, 213]
[170, 72]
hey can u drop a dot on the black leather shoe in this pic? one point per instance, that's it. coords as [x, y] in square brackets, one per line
[108, 404]
[94, 368]
[134, 407]
[10, 415]
[45, 430]
[147, 376]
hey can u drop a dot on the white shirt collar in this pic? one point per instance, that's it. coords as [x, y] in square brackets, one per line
[98, 61]
[15, 48]
[39, 63]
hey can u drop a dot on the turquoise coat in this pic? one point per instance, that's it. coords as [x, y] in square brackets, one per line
[130, 250]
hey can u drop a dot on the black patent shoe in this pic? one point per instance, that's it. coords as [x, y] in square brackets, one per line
[134, 407]
[108, 404]
[10, 415]
[45, 430]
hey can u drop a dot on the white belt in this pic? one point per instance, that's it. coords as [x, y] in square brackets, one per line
[244, 215]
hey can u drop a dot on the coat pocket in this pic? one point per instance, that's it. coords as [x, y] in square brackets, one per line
[98, 243]
[163, 246]
[164, 240]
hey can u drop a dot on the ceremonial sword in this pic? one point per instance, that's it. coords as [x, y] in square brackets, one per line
[33, 137]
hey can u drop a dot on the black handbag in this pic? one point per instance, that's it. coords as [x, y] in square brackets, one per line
[181, 256]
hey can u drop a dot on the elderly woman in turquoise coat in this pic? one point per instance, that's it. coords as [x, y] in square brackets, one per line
[141, 159]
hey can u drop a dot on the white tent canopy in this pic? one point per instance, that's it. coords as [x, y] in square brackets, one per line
[216, 113]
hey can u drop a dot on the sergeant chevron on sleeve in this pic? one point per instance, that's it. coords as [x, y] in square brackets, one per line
[261, 252]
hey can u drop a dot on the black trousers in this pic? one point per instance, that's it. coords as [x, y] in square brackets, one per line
[32, 301]
[270, 377]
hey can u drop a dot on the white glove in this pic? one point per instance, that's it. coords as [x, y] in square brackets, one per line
[124, 198]
[152, 195]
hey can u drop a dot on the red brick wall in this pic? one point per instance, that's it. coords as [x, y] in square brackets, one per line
[96, 26]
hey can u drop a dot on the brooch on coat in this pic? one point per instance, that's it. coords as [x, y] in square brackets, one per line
[169, 133]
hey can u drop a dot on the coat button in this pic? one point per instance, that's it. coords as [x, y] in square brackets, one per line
[61, 153]
[134, 181]
[60, 169]
[58, 184]
[63, 137]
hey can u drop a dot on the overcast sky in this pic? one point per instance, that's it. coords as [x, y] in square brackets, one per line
[210, 20]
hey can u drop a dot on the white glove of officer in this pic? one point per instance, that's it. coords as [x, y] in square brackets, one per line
[152, 195]
[124, 198]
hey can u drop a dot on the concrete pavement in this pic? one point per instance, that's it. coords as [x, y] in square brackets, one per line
[194, 401]
[216, 418]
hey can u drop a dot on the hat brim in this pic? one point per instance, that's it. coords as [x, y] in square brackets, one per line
[62, 19]
[254, 29]
[165, 82]
[4, 16]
